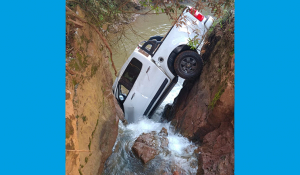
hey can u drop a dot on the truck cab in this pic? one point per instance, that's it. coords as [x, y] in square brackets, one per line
[152, 70]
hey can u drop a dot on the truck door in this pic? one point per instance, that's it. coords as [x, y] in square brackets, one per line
[142, 83]
[126, 87]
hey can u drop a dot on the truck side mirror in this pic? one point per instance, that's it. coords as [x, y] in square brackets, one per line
[121, 97]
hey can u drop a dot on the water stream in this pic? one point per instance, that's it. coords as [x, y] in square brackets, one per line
[179, 155]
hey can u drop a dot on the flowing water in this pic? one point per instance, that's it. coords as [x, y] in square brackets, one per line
[179, 155]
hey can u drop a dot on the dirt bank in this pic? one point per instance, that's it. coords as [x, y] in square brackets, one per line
[91, 114]
[204, 108]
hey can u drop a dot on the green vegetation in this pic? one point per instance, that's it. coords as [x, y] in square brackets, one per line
[81, 60]
[90, 143]
[212, 27]
[84, 39]
[73, 64]
[194, 42]
[94, 70]
[84, 119]
[86, 159]
[216, 98]
[79, 63]
[102, 12]
[74, 81]
[69, 128]
[79, 170]
[231, 53]
[95, 128]
[70, 145]
[220, 21]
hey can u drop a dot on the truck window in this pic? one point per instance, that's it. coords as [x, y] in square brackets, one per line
[124, 90]
[130, 74]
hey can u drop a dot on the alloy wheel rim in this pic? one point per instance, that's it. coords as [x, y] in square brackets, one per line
[188, 64]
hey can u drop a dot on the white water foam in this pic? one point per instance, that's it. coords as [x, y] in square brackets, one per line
[179, 154]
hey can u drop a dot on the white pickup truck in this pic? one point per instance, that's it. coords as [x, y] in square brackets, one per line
[152, 70]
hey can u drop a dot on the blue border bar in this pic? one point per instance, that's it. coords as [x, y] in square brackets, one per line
[33, 87]
[267, 87]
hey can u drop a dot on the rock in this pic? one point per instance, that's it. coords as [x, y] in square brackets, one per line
[204, 108]
[167, 112]
[148, 145]
[144, 152]
[148, 139]
[164, 142]
[163, 132]
[145, 147]
[119, 111]
[217, 151]
[175, 173]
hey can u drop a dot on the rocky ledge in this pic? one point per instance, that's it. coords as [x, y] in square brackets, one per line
[204, 108]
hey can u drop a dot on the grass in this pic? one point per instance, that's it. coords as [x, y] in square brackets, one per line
[216, 98]
[86, 159]
[219, 21]
[213, 26]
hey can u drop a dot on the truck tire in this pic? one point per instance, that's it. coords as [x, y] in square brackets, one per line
[171, 61]
[188, 64]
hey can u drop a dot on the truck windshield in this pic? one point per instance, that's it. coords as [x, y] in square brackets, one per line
[130, 75]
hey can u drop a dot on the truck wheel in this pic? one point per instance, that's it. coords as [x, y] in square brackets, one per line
[188, 64]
